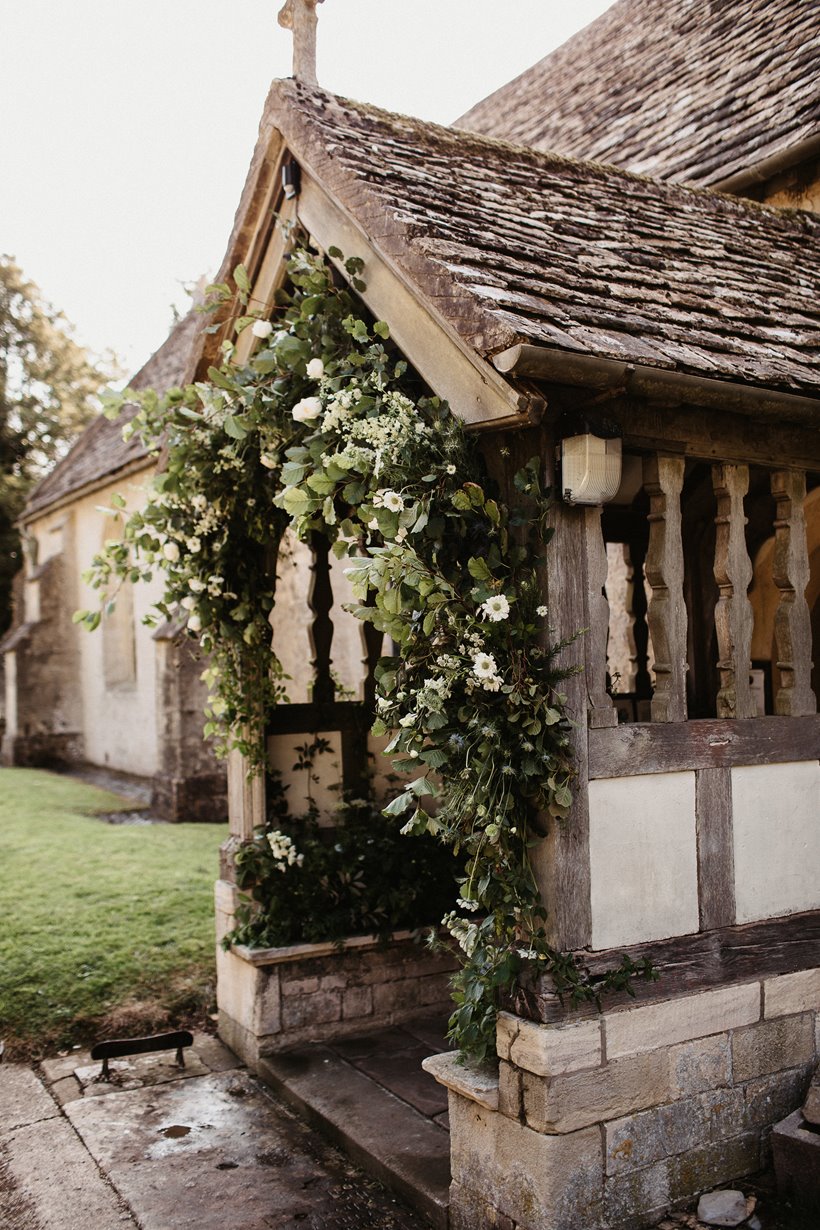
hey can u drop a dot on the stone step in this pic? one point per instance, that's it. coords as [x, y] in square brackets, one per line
[380, 1132]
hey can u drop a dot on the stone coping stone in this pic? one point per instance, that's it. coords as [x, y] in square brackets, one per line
[377, 1130]
[478, 1084]
[300, 952]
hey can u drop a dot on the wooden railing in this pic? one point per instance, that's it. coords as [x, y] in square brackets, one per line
[665, 619]
[322, 712]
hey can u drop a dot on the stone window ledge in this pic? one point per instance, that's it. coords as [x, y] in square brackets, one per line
[477, 1084]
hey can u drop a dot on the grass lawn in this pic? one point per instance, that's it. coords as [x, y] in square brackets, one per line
[106, 928]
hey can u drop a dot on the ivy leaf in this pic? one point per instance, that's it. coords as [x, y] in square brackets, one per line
[478, 570]
[240, 276]
[234, 427]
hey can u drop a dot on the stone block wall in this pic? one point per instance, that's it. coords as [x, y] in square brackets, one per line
[606, 1123]
[272, 999]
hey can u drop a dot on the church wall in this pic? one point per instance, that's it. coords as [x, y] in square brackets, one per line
[119, 708]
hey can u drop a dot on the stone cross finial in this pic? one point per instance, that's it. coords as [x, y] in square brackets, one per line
[300, 17]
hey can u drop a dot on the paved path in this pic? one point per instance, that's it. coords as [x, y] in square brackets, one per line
[204, 1148]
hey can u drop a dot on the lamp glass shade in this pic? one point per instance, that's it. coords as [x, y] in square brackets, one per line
[590, 469]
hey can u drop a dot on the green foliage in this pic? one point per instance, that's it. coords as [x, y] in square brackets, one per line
[48, 387]
[309, 883]
[325, 430]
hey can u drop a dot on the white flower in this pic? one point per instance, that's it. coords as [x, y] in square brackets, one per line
[199, 503]
[451, 469]
[171, 552]
[195, 585]
[188, 603]
[485, 669]
[194, 623]
[495, 608]
[373, 524]
[307, 410]
[193, 544]
[262, 328]
[392, 501]
[315, 369]
[267, 461]
[484, 665]
[541, 610]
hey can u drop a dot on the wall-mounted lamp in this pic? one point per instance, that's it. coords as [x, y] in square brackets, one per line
[590, 453]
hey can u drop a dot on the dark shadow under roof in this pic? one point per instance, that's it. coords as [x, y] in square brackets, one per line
[690, 90]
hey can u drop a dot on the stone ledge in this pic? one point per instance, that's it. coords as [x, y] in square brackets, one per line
[478, 1086]
[683, 1019]
[300, 952]
[791, 993]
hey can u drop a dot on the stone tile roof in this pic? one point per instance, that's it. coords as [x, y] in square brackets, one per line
[691, 90]
[511, 245]
[101, 451]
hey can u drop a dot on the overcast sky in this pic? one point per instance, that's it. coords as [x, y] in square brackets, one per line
[127, 128]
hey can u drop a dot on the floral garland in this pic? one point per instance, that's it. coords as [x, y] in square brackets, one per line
[326, 430]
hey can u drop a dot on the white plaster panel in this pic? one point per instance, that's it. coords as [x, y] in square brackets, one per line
[119, 723]
[776, 811]
[643, 856]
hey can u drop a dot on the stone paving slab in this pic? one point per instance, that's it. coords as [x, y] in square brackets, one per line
[384, 1134]
[23, 1099]
[138, 1073]
[182, 1154]
[52, 1183]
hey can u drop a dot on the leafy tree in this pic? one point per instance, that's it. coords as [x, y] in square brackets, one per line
[48, 387]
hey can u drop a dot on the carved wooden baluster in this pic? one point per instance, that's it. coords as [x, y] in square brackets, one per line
[792, 623]
[372, 639]
[640, 628]
[320, 601]
[663, 480]
[599, 703]
[734, 619]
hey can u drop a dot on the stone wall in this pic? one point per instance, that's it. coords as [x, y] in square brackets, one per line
[606, 1123]
[272, 999]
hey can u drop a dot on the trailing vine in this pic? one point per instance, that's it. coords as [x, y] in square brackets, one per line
[325, 429]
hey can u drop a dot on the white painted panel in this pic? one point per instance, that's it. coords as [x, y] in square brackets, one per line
[643, 856]
[776, 811]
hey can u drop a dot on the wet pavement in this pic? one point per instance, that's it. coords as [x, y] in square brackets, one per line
[164, 1148]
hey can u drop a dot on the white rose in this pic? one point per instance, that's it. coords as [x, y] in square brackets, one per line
[262, 328]
[171, 552]
[315, 369]
[307, 410]
[194, 623]
[188, 603]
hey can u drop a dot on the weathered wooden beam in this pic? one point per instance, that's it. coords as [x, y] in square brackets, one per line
[561, 862]
[691, 963]
[702, 744]
[475, 391]
[663, 480]
[661, 385]
[600, 710]
[790, 572]
[705, 436]
[716, 871]
[734, 619]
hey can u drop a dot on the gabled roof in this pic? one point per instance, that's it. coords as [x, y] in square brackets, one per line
[510, 245]
[100, 451]
[692, 90]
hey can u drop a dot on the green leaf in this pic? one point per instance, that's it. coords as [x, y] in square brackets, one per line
[240, 276]
[478, 569]
[234, 428]
[382, 329]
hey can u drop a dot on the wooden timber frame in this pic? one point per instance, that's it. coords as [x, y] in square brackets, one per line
[672, 427]
[673, 443]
